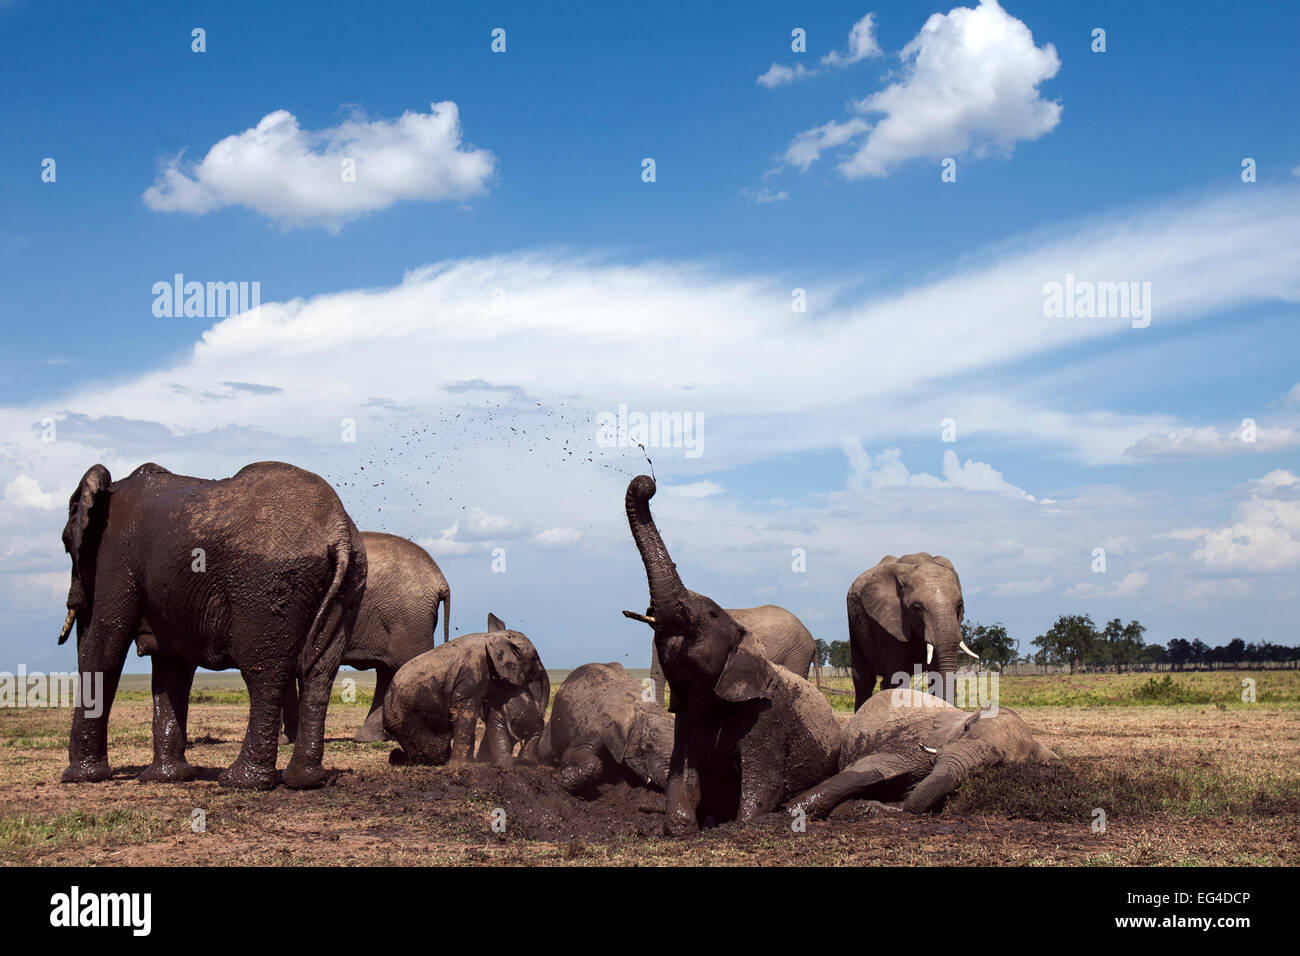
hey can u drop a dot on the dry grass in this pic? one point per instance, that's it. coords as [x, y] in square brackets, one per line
[1179, 785]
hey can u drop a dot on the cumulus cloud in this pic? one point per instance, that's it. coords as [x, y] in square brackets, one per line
[557, 538]
[26, 492]
[695, 489]
[969, 86]
[887, 470]
[862, 44]
[295, 177]
[1206, 441]
[778, 75]
[1018, 589]
[1265, 536]
[1132, 583]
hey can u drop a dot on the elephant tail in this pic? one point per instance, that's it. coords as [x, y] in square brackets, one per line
[330, 612]
[445, 599]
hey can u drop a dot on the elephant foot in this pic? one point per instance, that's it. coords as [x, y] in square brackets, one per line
[92, 770]
[370, 734]
[243, 776]
[304, 777]
[172, 771]
[680, 825]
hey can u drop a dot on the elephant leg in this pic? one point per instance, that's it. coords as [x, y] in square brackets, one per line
[462, 734]
[497, 747]
[854, 780]
[864, 674]
[683, 794]
[306, 770]
[372, 730]
[254, 768]
[172, 679]
[581, 766]
[760, 784]
[289, 709]
[99, 675]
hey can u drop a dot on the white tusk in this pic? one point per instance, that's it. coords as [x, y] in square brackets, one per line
[929, 750]
[67, 624]
[962, 645]
[929, 653]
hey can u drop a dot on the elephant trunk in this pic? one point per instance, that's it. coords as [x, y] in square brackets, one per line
[950, 769]
[667, 593]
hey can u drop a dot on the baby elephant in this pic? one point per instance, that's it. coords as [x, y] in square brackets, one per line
[434, 703]
[601, 729]
[909, 744]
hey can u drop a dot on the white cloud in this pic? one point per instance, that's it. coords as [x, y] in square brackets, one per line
[1132, 583]
[1206, 441]
[969, 86]
[862, 44]
[26, 492]
[887, 470]
[556, 538]
[765, 195]
[295, 176]
[445, 545]
[1265, 537]
[1017, 589]
[695, 489]
[778, 75]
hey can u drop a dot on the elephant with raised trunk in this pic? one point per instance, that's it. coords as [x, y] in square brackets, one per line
[602, 729]
[262, 571]
[904, 613]
[748, 734]
[397, 620]
[909, 745]
[434, 703]
[786, 642]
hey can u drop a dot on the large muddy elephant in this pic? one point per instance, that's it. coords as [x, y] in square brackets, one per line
[261, 572]
[397, 620]
[435, 700]
[786, 642]
[909, 745]
[748, 734]
[904, 614]
[601, 729]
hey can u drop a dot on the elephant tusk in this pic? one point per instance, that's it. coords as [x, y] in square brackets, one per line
[67, 624]
[643, 618]
[962, 645]
[929, 653]
[929, 750]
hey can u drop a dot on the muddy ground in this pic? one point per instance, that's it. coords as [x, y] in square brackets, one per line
[1178, 785]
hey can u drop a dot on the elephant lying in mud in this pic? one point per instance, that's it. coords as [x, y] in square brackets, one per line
[601, 729]
[915, 746]
[262, 572]
[397, 620]
[748, 734]
[785, 640]
[435, 700]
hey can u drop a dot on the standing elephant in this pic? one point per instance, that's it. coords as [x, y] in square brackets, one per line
[435, 700]
[397, 620]
[786, 642]
[909, 744]
[748, 734]
[261, 571]
[601, 728]
[903, 613]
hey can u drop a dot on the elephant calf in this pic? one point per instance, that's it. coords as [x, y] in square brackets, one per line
[748, 733]
[435, 700]
[909, 744]
[601, 729]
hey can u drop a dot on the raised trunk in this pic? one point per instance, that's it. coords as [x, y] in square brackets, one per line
[666, 589]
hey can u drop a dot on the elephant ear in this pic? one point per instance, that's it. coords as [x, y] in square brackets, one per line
[882, 598]
[747, 675]
[87, 511]
[616, 729]
[506, 657]
[495, 623]
[941, 560]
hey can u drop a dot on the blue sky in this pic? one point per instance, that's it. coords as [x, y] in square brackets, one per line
[821, 428]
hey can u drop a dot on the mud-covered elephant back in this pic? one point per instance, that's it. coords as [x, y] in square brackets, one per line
[896, 720]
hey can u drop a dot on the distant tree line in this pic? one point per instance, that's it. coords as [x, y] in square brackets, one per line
[1075, 641]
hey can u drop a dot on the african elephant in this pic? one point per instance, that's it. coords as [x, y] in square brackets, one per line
[909, 744]
[903, 613]
[601, 728]
[396, 621]
[435, 700]
[261, 571]
[748, 734]
[785, 640]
